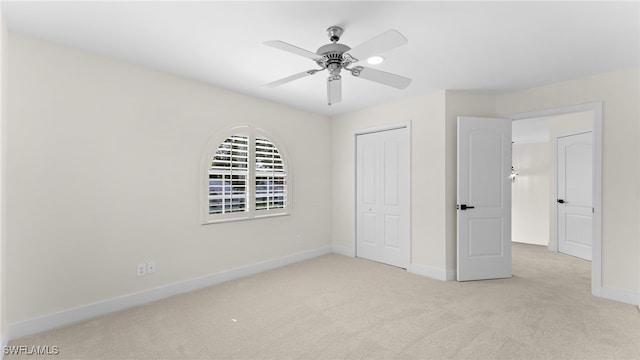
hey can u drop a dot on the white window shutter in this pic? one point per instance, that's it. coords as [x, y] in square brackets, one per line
[228, 176]
[270, 175]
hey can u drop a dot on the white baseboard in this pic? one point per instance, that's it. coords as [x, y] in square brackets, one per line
[452, 275]
[343, 250]
[439, 274]
[625, 296]
[48, 322]
[434, 273]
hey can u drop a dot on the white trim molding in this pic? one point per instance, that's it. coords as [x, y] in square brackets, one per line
[434, 273]
[625, 296]
[67, 317]
[343, 250]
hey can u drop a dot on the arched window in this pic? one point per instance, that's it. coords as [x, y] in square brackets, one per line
[246, 178]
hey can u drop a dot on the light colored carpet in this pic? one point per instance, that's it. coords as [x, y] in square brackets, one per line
[336, 307]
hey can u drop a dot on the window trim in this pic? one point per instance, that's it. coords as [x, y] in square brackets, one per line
[251, 133]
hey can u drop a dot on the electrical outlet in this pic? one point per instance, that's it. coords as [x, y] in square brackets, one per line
[142, 269]
[299, 239]
[151, 267]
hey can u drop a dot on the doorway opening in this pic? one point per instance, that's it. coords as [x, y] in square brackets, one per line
[538, 201]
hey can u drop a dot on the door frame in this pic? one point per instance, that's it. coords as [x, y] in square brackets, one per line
[356, 133]
[596, 131]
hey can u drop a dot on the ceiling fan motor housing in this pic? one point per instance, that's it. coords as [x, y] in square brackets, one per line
[332, 58]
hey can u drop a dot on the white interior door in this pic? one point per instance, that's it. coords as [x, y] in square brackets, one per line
[484, 198]
[382, 196]
[574, 201]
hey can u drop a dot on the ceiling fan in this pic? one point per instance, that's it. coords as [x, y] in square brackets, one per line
[336, 57]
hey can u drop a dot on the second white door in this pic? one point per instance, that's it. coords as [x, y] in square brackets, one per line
[574, 202]
[383, 196]
[484, 199]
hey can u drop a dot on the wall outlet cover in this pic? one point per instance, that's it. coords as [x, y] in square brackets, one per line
[141, 269]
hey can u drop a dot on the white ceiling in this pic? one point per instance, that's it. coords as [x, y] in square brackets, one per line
[488, 47]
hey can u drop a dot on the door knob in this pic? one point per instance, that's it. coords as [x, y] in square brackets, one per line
[464, 207]
[560, 201]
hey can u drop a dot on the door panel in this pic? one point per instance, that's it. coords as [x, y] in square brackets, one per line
[392, 231]
[368, 179]
[391, 173]
[486, 187]
[574, 207]
[368, 228]
[481, 239]
[382, 197]
[578, 229]
[484, 229]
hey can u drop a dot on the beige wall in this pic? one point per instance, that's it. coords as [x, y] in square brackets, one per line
[104, 170]
[530, 193]
[570, 124]
[619, 91]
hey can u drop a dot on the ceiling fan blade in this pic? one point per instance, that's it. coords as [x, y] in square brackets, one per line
[383, 77]
[334, 90]
[292, 49]
[386, 41]
[290, 78]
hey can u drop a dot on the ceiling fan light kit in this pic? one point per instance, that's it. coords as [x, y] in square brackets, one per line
[336, 57]
[375, 60]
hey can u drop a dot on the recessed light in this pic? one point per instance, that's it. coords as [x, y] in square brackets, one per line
[375, 60]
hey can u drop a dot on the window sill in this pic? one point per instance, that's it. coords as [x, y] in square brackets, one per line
[244, 218]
